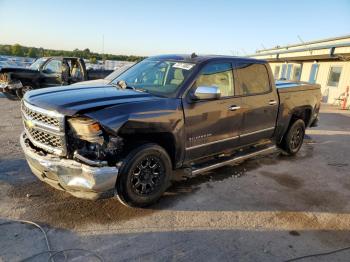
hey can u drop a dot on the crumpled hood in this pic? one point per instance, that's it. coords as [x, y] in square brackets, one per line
[70, 100]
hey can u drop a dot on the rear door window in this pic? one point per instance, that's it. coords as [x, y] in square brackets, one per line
[252, 79]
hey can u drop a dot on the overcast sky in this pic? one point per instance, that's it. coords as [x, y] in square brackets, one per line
[156, 27]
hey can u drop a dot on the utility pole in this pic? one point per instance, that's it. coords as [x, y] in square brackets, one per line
[103, 45]
[244, 52]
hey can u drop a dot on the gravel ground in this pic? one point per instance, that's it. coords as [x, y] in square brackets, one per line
[266, 209]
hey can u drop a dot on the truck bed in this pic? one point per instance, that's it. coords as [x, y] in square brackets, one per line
[294, 86]
[296, 96]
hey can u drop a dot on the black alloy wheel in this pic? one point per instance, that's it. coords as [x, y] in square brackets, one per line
[148, 175]
[144, 175]
[297, 138]
[294, 137]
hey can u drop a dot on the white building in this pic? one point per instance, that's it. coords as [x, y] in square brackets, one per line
[325, 61]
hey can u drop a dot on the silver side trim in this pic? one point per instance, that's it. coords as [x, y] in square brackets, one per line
[234, 160]
[210, 143]
[230, 138]
[258, 131]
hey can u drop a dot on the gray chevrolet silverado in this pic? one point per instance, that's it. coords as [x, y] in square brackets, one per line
[168, 112]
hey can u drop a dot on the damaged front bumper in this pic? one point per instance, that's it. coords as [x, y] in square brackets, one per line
[9, 90]
[80, 180]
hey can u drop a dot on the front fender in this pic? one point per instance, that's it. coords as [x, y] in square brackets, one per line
[161, 116]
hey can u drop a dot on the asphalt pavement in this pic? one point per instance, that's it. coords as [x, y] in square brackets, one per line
[270, 208]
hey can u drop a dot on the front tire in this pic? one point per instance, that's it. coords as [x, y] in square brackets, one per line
[293, 139]
[144, 176]
[21, 92]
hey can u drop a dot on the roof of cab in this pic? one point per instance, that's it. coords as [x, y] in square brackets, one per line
[204, 58]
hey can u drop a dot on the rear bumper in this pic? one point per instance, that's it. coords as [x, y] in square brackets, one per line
[80, 180]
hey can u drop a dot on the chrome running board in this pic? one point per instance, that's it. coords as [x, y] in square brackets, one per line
[234, 160]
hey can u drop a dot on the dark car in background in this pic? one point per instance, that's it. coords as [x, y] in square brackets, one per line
[46, 72]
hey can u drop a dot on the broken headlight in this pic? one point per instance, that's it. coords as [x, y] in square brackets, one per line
[86, 129]
[88, 141]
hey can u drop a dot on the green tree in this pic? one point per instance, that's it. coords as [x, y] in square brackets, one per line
[32, 52]
[41, 51]
[93, 60]
[86, 53]
[17, 50]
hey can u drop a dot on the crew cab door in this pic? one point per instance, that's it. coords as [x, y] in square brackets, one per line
[51, 73]
[212, 126]
[259, 102]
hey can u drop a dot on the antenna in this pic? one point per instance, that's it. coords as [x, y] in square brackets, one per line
[301, 40]
[263, 46]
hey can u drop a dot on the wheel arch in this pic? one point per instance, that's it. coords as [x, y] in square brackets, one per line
[302, 112]
[164, 139]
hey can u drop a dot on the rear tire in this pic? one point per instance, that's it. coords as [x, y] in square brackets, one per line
[144, 176]
[294, 137]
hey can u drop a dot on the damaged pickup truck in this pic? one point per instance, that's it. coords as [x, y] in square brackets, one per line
[46, 72]
[168, 112]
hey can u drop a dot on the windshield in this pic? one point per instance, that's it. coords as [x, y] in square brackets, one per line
[156, 77]
[36, 65]
[117, 72]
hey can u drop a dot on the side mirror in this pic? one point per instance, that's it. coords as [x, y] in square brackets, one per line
[206, 93]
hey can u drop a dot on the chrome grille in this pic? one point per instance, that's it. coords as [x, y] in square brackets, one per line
[41, 117]
[44, 128]
[45, 138]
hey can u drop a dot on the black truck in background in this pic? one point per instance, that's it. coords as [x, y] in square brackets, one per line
[168, 112]
[46, 72]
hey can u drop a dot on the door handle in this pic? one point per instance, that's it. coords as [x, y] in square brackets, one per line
[234, 108]
[272, 102]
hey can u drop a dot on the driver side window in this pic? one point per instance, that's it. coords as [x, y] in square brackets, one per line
[53, 67]
[219, 75]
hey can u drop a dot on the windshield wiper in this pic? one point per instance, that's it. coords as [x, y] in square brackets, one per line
[123, 85]
[141, 89]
